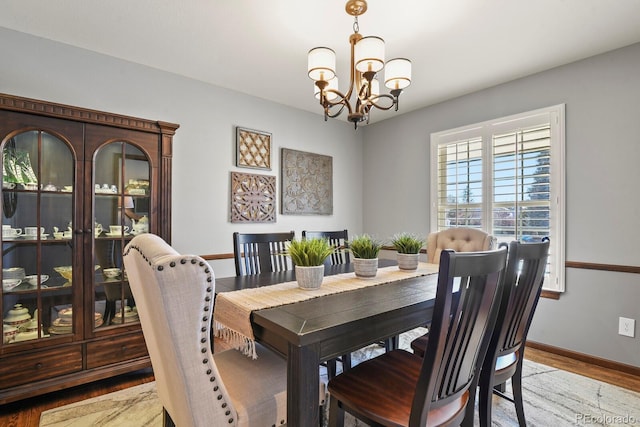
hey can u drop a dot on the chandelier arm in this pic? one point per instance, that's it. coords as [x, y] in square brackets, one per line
[342, 100]
[327, 111]
[372, 100]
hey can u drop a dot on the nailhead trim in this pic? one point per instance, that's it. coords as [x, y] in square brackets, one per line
[204, 330]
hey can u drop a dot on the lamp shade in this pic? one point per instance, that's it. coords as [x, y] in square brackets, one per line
[333, 84]
[397, 73]
[369, 54]
[321, 64]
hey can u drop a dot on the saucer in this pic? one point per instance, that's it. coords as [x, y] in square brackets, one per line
[116, 234]
[34, 236]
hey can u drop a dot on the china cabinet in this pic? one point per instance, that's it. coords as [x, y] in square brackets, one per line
[77, 185]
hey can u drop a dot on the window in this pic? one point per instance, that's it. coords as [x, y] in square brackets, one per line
[506, 177]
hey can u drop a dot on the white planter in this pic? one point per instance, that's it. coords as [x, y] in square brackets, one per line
[309, 277]
[408, 261]
[365, 267]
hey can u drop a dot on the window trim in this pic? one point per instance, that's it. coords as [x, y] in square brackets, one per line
[555, 117]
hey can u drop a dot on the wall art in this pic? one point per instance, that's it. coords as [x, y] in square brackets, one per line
[253, 148]
[307, 183]
[253, 197]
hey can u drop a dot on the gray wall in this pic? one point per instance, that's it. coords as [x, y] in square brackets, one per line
[204, 145]
[602, 97]
[381, 171]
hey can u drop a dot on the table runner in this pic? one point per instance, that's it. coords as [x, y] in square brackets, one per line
[232, 310]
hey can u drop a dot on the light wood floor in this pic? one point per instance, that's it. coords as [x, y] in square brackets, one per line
[26, 413]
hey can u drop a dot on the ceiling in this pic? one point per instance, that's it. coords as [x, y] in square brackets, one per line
[260, 47]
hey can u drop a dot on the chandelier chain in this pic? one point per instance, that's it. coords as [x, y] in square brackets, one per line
[356, 27]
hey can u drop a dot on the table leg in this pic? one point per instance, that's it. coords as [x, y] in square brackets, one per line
[303, 381]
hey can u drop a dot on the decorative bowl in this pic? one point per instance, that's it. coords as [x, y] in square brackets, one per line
[65, 271]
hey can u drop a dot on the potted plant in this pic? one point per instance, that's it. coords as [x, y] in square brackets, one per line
[365, 249]
[308, 256]
[408, 247]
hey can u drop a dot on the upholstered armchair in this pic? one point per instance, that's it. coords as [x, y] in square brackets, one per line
[175, 295]
[459, 239]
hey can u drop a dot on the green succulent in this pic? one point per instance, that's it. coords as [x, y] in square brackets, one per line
[407, 243]
[309, 252]
[365, 247]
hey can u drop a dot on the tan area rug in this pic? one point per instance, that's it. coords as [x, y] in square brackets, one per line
[553, 398]
[136, 406]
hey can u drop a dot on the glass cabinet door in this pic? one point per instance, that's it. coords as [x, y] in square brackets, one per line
[121, 202]
[37, 249]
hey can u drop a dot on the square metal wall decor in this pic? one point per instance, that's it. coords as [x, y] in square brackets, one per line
[307, 183]
[253, 148]
[253, 197]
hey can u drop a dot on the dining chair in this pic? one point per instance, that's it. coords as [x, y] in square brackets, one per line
[399, 388]
[460, 239]
[261, 252]
[523, 280]
[338, 239]
[175, 298]
[524, 277]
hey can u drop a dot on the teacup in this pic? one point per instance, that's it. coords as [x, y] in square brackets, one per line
[118, 229]
[33, 231]
[11, 232]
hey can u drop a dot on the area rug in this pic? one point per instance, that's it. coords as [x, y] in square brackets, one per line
[552, 398]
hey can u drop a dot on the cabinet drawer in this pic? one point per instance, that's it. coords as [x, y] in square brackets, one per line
[115, 350]
[39, 365]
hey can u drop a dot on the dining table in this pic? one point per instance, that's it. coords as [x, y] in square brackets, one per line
[309, 332]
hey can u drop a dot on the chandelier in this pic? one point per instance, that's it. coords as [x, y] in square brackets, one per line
[367, 59]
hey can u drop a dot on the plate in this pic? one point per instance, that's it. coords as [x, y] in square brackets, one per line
[116, 234]
[33, 236]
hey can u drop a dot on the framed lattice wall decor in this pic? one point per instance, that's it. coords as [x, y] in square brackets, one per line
[307, 183]
[253, 197]
[253, 148]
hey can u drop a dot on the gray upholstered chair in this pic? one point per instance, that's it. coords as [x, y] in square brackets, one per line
[174, 295]
[459, 239]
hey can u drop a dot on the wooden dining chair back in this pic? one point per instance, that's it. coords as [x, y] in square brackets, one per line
[459, 239]
[524, 277]
[255, 253]
[175, 295]
[399, 388]
[338, 240]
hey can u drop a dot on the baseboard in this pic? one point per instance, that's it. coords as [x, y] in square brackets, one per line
[597, 361]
